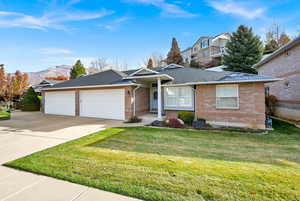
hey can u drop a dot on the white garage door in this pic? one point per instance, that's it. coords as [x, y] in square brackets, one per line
[60, 103]
[107, 104]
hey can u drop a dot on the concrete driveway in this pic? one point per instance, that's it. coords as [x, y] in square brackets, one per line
[27, 133]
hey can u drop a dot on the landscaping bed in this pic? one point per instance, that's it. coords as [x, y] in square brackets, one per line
[179, 165]
[4, 116]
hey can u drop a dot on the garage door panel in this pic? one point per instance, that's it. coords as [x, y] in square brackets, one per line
[60, 103]
[107, 104]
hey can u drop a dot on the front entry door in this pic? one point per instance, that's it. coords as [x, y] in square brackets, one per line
[154, 99]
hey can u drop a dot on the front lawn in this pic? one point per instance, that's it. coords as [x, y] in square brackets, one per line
[4, 116]
[169, 164]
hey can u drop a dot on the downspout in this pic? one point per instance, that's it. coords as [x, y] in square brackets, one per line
[134, 90]
[195, 103]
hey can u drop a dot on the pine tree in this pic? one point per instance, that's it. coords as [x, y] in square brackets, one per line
[77, 70]
[174, 55]
[243, 51]
[30, 102]
[150, 63]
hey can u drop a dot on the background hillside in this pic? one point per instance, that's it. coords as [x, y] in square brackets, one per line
[37, 77]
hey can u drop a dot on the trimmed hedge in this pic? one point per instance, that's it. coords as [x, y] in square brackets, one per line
[30, 107]
[186, 117]
[4, 116]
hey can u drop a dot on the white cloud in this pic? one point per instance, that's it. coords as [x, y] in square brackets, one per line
[237, 8]
[53, 18]
[52, 51]
[168, 9]
[114, 24]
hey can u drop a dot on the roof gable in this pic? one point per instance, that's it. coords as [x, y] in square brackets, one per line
[143, 71]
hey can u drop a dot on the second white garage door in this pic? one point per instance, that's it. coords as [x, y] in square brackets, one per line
[107, 104]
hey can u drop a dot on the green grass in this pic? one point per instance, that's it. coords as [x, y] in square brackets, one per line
[179, 165]
[4, 116]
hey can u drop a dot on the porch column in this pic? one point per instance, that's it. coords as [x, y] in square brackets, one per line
[159, 99]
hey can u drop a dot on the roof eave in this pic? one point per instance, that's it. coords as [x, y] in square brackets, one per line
[284, 48]
[224, 82]
[91, 86]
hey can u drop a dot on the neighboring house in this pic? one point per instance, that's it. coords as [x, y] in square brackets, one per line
[206, 49]
[222, 98]
[187, 55]
[284, 63]
[44, 84]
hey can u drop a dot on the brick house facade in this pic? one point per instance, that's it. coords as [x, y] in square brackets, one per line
[285, 64]
[222, 98]
[251, 112]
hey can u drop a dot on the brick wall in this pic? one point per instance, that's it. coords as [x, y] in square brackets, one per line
[128, 102]
[286, 66]
[142, 103]
[251, 112]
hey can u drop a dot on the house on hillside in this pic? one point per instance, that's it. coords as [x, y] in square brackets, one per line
[284, 63]
[206, 49]
[222, 98]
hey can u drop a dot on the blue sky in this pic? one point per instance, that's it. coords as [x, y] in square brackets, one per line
[36, 34]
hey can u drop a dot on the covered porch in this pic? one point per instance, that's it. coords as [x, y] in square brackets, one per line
[153, 82]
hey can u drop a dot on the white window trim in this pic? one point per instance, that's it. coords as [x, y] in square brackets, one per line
[177, 107]
[238, 96]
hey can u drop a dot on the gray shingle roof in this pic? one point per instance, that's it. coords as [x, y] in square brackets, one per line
[109, 77]
[187, 74]
[184, 75]
[181, 75]
[235, 76]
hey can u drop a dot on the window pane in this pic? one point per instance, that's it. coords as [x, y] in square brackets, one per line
[227, 91]
[171, 91]
[227, 102]
[171, 101]
[185, 97]
[179, 97]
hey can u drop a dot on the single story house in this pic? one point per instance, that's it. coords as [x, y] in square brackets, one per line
[284, 63]
[223, 98]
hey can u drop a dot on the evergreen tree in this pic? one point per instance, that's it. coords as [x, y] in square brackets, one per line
[77, 70]
[174, 55]
[150, 63]
[30, 101]
[243, 51]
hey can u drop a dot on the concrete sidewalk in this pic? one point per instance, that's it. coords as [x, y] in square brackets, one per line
[27, 133]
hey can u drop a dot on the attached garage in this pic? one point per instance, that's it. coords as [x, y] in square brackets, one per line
[60, 103]
[104, 103]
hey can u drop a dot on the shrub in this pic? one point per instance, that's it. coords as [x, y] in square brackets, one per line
[174, 123]
[30, 107]
[4, 116]
[186, 117]
[30, 102]
[134, 119]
